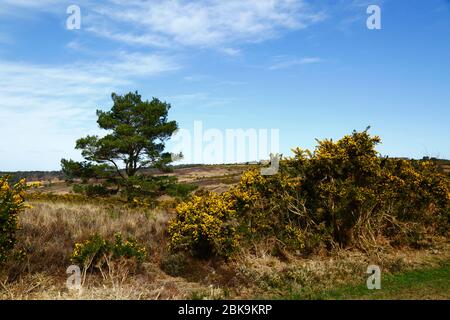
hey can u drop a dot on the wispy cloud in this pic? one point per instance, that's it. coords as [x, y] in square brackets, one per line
[210, 23]
[29, 80]
[217, 24]
[289, 63]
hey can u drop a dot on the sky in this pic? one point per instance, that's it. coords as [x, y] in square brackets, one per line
[310, 69]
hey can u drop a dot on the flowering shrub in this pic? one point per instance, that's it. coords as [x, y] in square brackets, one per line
[11, 204]
[205, 225]
[356, 196]
[95, 251]
[341, 194]
[262, 203]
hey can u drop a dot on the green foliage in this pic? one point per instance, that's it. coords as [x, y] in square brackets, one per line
[174, 264]
[92, 190]
[96, 250]
[11, 204]
[150, 187]
[85, 170]
[180, 190]
[145, 187]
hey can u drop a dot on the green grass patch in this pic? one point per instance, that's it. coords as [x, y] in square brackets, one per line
[431, 283]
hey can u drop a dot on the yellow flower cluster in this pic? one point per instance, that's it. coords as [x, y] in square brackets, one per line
[35, 184]
[141, 203]
[205, 225]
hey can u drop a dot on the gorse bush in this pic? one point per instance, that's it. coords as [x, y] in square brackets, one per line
[352, 197]
[11, 204]
[263, 205]
[205, 225]
[342, 194]
[96, 251]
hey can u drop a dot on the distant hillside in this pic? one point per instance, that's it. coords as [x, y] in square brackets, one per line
[442, 163]
[58, 175]
[34, 175]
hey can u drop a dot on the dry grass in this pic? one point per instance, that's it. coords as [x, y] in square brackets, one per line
[50, 229]
[48, 233]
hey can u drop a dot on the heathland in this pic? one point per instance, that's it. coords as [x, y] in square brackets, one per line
[126, 224]
[264, 267]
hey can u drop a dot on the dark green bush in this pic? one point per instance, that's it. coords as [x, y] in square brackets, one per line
[92, 190]
[180, 190]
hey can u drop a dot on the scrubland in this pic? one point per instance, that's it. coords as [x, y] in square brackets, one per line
[308, 232]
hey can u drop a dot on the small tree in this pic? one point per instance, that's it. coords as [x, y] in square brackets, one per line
[138, 132]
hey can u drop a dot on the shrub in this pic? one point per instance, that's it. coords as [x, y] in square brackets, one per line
[92, 190]
[180, 190]
[145, 187]
[262, 205]
[174, 264]
[359, 196]
[206, 226]
[96, 250]
[11, 204]
[341, 194]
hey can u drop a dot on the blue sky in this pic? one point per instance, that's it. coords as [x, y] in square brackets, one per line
[310, 70]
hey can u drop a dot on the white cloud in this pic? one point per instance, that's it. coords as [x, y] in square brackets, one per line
[231, 51]
[218, 24]
[129, 38]
[78, 78]
[209, 23]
